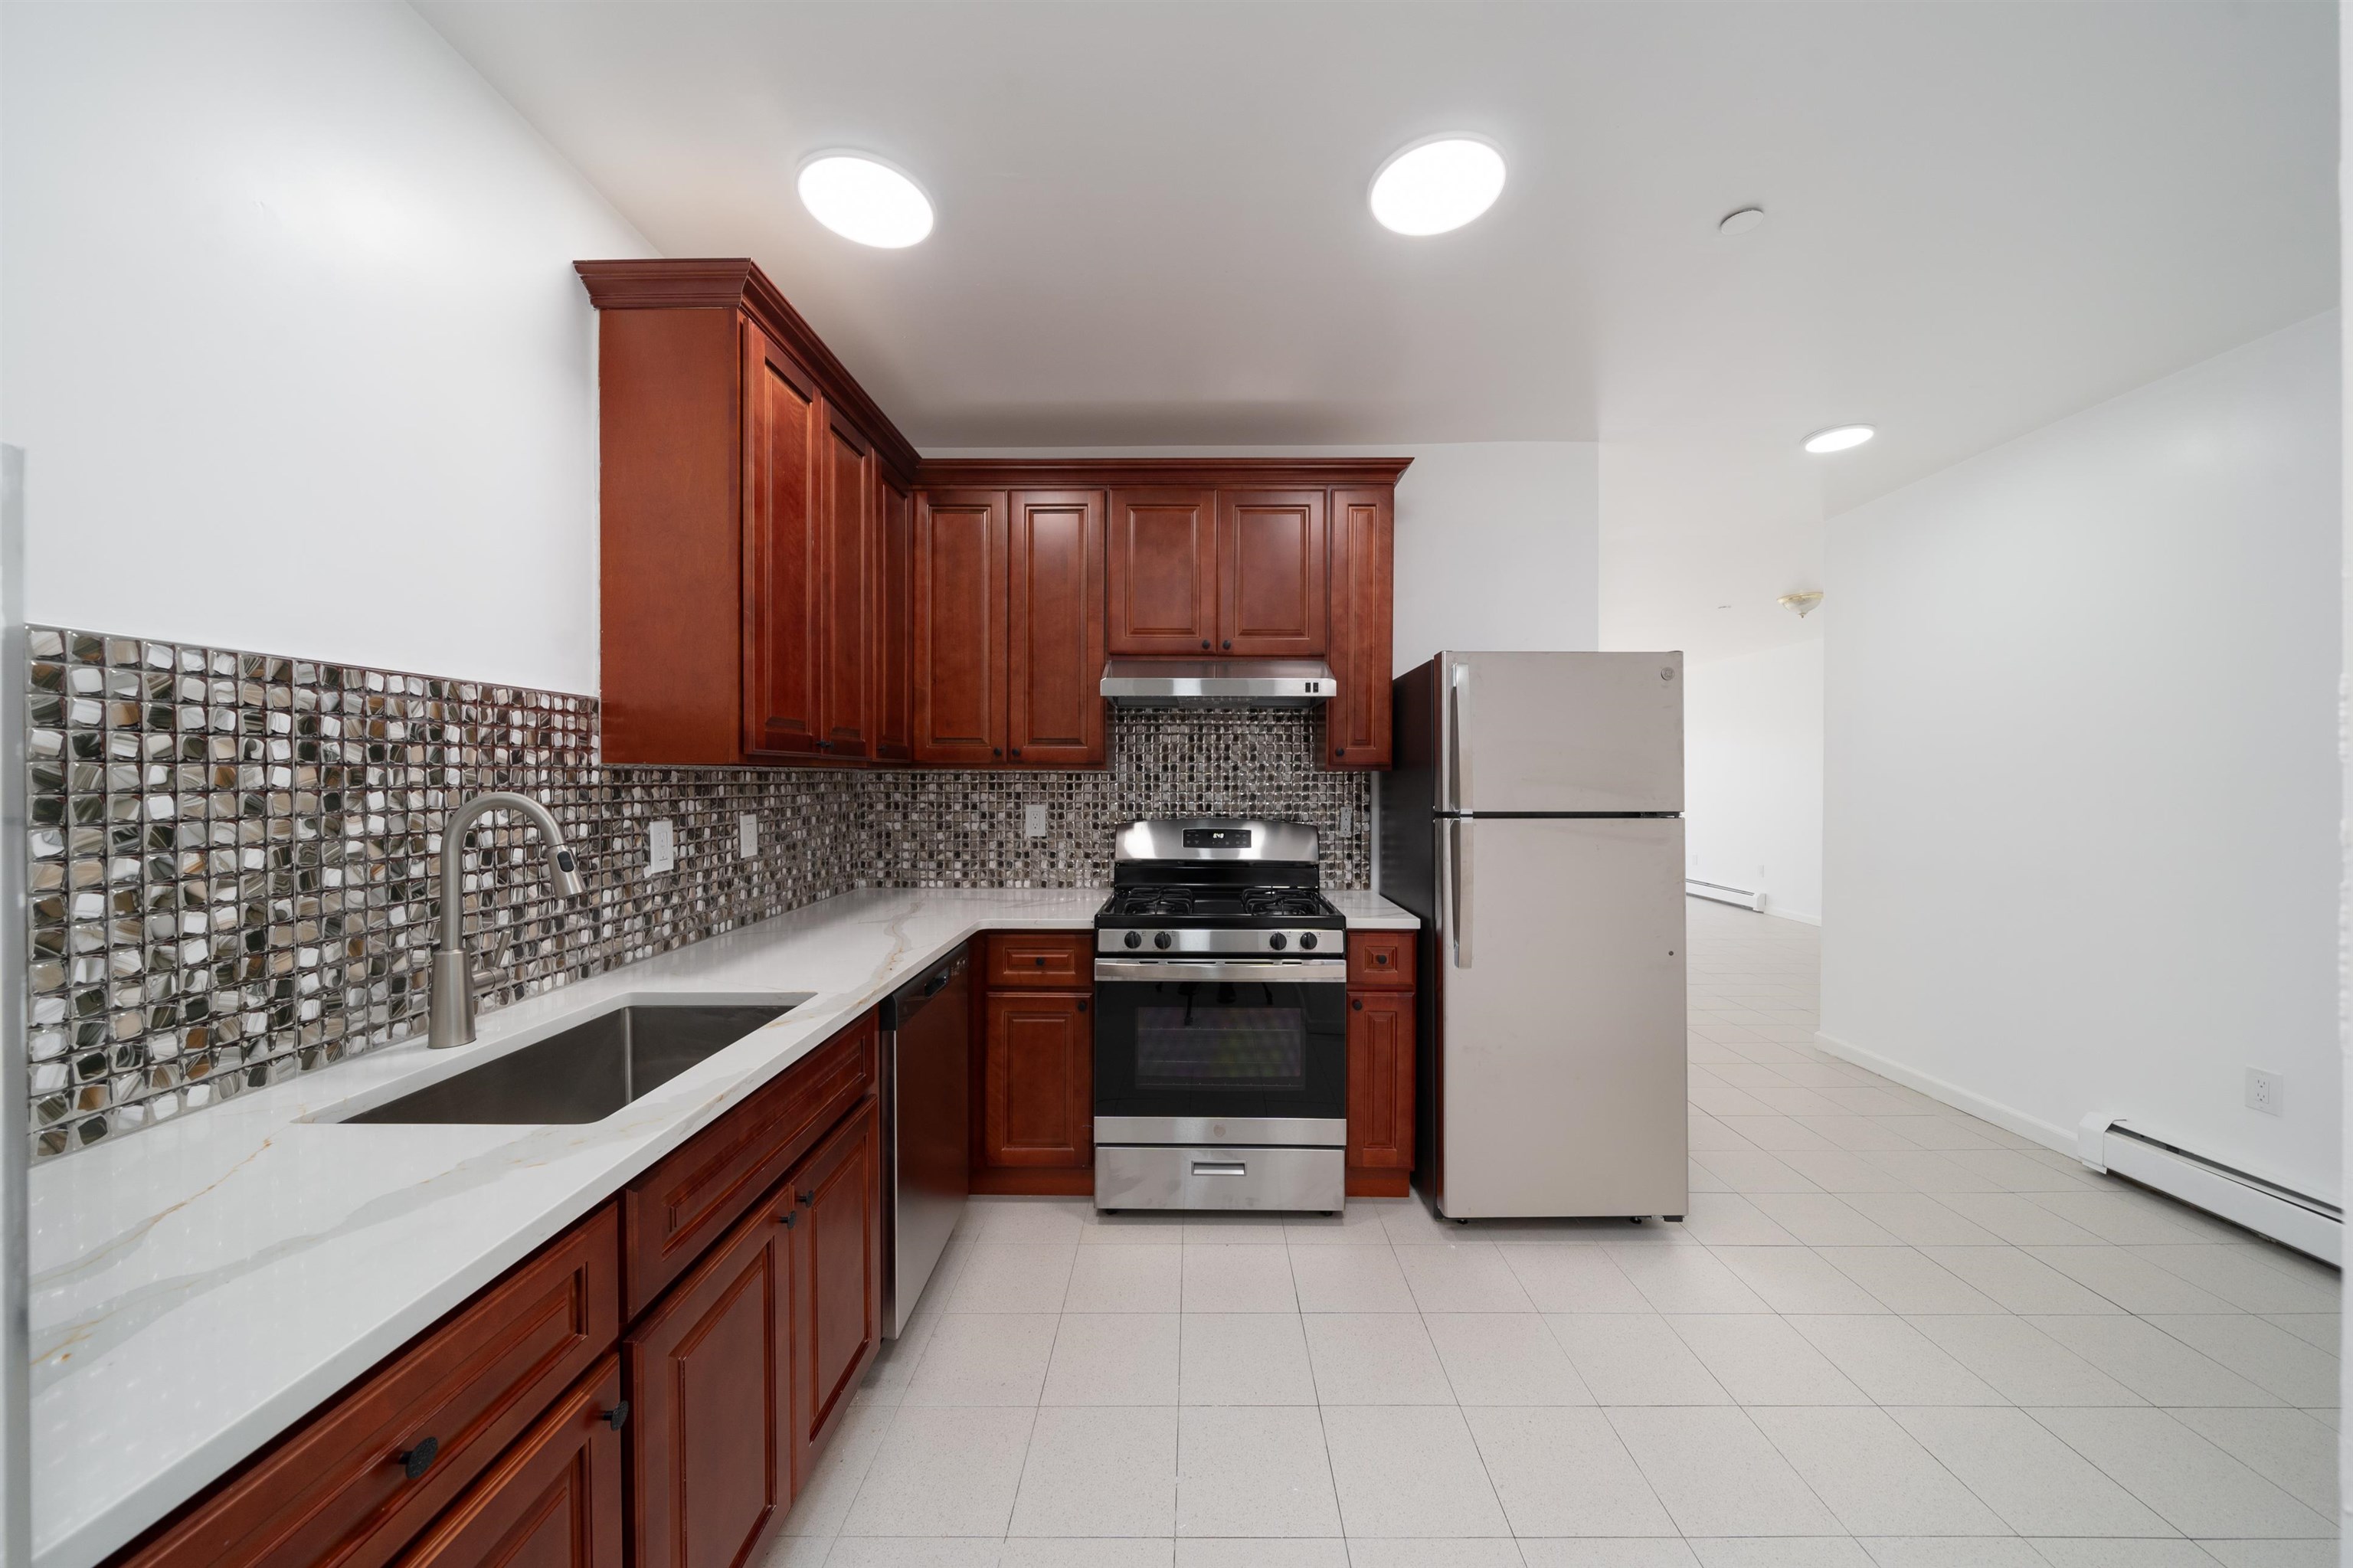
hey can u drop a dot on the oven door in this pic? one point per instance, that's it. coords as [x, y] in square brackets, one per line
[1221, 1050]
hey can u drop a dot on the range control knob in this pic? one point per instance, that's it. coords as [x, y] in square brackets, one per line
[1163, 939]
[1307, 939]
[1277, 941]
[1136, 939]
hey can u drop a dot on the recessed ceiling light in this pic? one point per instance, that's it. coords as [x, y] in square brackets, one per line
[1437, 184]
[1839, 438]
[865, 199]
[1741, 222]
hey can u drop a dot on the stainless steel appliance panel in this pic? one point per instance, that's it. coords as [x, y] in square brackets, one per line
[1217, 1176]
[1552, 732]
[927, 1101]
[1298, 1131]
[1559, 992]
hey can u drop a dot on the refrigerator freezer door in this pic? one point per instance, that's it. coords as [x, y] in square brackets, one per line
[1560, 732]
[1560, 1078]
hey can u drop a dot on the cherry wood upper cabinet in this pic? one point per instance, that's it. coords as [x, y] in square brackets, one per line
[895, 627]
[1271, 550]
[959, 608]
[1164, 571]
[851, 540]
[740, 523]
[782, 500]
[1357, 722]
[1054, 628]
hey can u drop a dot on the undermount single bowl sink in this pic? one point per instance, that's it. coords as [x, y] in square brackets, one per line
[587, 1072]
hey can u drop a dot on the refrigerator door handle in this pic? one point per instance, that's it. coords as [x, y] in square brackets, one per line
[1459, 884]
[1458, 749]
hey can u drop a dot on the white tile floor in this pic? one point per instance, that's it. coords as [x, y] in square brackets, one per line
[1888, 1334]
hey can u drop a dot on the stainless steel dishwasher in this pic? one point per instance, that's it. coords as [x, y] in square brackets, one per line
[926, 1130]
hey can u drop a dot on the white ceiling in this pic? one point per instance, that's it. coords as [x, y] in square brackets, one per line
[1152, 226]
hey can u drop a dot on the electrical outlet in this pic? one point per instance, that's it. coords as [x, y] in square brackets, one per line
[662, 846]
[747, 836]
[1348, 820]
[2266, 1092]
[1033, 821]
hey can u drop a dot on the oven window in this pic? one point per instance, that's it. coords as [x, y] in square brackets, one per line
[1200, 1045]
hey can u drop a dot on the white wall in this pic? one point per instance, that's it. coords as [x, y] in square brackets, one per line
[293, 341]
[2083, 791]
[1498, 543]
[1753, 774]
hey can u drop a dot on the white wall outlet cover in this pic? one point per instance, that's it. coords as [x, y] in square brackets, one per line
[747, 836]
[2266, 1091]
[661, 845]
[1033, 821]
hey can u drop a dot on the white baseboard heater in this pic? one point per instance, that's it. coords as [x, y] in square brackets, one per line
[1723, 894]
[2311, 1226]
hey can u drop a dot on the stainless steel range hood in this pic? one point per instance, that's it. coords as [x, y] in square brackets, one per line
[1218, 683]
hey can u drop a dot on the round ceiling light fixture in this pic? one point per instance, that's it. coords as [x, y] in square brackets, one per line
[1437, 184]
[1839, 438]
[862, 198]
[1741, 222]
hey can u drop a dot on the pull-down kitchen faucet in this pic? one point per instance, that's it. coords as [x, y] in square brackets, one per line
[452, 1003]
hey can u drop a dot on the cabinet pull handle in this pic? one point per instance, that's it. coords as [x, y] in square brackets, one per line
[618, 1417]
[415, 1462]
[807, 1199]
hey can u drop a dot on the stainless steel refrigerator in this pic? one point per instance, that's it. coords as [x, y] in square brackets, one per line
[1534, 822]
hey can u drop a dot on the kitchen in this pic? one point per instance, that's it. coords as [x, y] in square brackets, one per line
[1084, 827]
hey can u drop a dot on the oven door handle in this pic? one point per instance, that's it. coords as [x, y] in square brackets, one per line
[1272, 971]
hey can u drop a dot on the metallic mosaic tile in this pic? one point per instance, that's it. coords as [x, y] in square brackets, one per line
[233, 854]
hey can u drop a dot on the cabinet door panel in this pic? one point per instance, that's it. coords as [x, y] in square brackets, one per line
[1357, 722]
[1380, 1080]
[838, 1317]
[1038, 1072]
[1271, 549]
[710, 1379]
[1054, 616]
[851, 542]
[893, 626]
[783, 445]
[1163, 570]
[554, 1499]
[960, 538]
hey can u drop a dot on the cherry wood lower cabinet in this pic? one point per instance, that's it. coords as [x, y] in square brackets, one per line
[554, 1500]
[355, 1483]
[1380, 1064]
[1033, 1071]
[744, 1368]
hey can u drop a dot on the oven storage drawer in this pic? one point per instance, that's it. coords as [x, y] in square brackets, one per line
[1213, 1176]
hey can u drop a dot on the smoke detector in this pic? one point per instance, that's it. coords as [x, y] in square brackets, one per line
[1803, 603]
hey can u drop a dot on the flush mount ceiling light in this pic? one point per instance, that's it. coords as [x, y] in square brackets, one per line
[865, 199]
[1803, 603]
[1437, 184]
[1741, 222]
[1839, 438]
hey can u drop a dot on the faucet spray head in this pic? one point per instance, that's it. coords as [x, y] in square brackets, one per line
[563, 872]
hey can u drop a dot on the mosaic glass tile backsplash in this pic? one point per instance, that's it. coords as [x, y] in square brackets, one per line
[233, 854]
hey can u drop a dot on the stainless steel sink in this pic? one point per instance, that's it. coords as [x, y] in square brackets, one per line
[586, 1073]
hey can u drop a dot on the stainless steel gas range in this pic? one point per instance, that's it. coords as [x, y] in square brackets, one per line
[1221, 996]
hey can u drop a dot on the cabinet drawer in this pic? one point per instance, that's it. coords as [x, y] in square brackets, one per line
[1380, 958]
[553, 1497]
[1046, 961]
[673, 1213]
[337, 1492]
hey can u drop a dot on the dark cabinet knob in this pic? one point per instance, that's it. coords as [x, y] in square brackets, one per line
[807, 1199]
[995, 751]
[415, 1462]
[1041, 960]
[618, 1417]
[1339, 751]
[1357, 1002]
[1083, 1007]
[1017, 751]
[1204, 642]
[1229, 644]
[787, 1218]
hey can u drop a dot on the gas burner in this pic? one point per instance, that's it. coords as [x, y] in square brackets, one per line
[1155, 901]
[1284, 902]
[1180, 890]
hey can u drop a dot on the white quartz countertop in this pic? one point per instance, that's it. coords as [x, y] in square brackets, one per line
[198, 1287]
